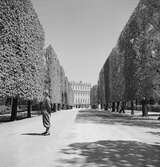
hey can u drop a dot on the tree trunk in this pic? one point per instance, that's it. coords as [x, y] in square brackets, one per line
[136, 104]
[29, 109]
[118, 106]
[58, 107]
[144, 110]
[63, 107]
[14, 108]
[132, 108]
[106, 107]
[144, 107]
[113, 106]
[54, 107]
[103, 106]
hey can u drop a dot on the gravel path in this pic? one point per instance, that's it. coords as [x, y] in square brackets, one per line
[81, 139]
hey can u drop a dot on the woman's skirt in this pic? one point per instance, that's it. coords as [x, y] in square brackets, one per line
[46, 119]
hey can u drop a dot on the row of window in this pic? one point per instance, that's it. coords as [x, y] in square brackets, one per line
[82, 101]
[82, 95]
[77, 87]
[82, 91]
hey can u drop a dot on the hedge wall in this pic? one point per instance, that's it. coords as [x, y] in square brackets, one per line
[56, 81]
[101, 88]
[62, 77]
[53, 72]
[140, 43]
[93, 95]
[21, 45]
[132, 69]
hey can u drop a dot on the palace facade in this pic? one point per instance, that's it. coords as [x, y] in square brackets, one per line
[81, 93]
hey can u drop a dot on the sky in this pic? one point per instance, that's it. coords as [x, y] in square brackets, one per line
[83, 32]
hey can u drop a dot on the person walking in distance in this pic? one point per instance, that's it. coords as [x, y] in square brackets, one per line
[122, 107]
[46, 113]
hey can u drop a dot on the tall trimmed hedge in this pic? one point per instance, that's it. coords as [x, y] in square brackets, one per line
[62, 77]
[53, 72]
[132, 69]
[66, 92]
[140, 43]
[21, 45]
[101, 88]
[107, 80]
[94, 96]
[55, 80]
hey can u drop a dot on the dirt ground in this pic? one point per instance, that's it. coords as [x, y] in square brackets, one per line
[86, 138]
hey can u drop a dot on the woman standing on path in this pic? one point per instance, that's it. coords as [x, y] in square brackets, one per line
[46, 113]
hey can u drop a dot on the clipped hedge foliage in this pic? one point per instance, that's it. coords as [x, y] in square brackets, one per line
[93, 95]
[55, 80]
[21, 45]
[132, 69]
[140, 43]
[53, 75]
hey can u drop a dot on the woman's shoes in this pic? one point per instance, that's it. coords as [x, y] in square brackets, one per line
[46, 133]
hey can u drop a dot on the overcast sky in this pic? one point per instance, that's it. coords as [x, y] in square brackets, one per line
[83, 32]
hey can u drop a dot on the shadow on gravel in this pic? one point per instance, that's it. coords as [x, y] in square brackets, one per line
[110, 154]
[20, 116]
[105, 117]
[7, 117]
[33, 134]
[155, 133]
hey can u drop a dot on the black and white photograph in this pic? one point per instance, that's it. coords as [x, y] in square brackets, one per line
[79, 83]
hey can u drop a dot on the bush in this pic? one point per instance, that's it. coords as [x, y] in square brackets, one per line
[36, 107]
[94, 106]
[152, 101]
[155, 108]
[4, 109]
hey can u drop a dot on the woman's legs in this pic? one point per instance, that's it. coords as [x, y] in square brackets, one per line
[46, 122]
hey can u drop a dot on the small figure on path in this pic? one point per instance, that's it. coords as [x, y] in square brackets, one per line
[123, 104]
[46, 112]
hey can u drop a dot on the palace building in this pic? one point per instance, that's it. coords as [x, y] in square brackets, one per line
[81, 93]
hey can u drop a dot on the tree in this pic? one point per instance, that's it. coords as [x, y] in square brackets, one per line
[21, 44]
[132, 69]
[53, 75]
[101, 92]
[62, 81]
[94, 96]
